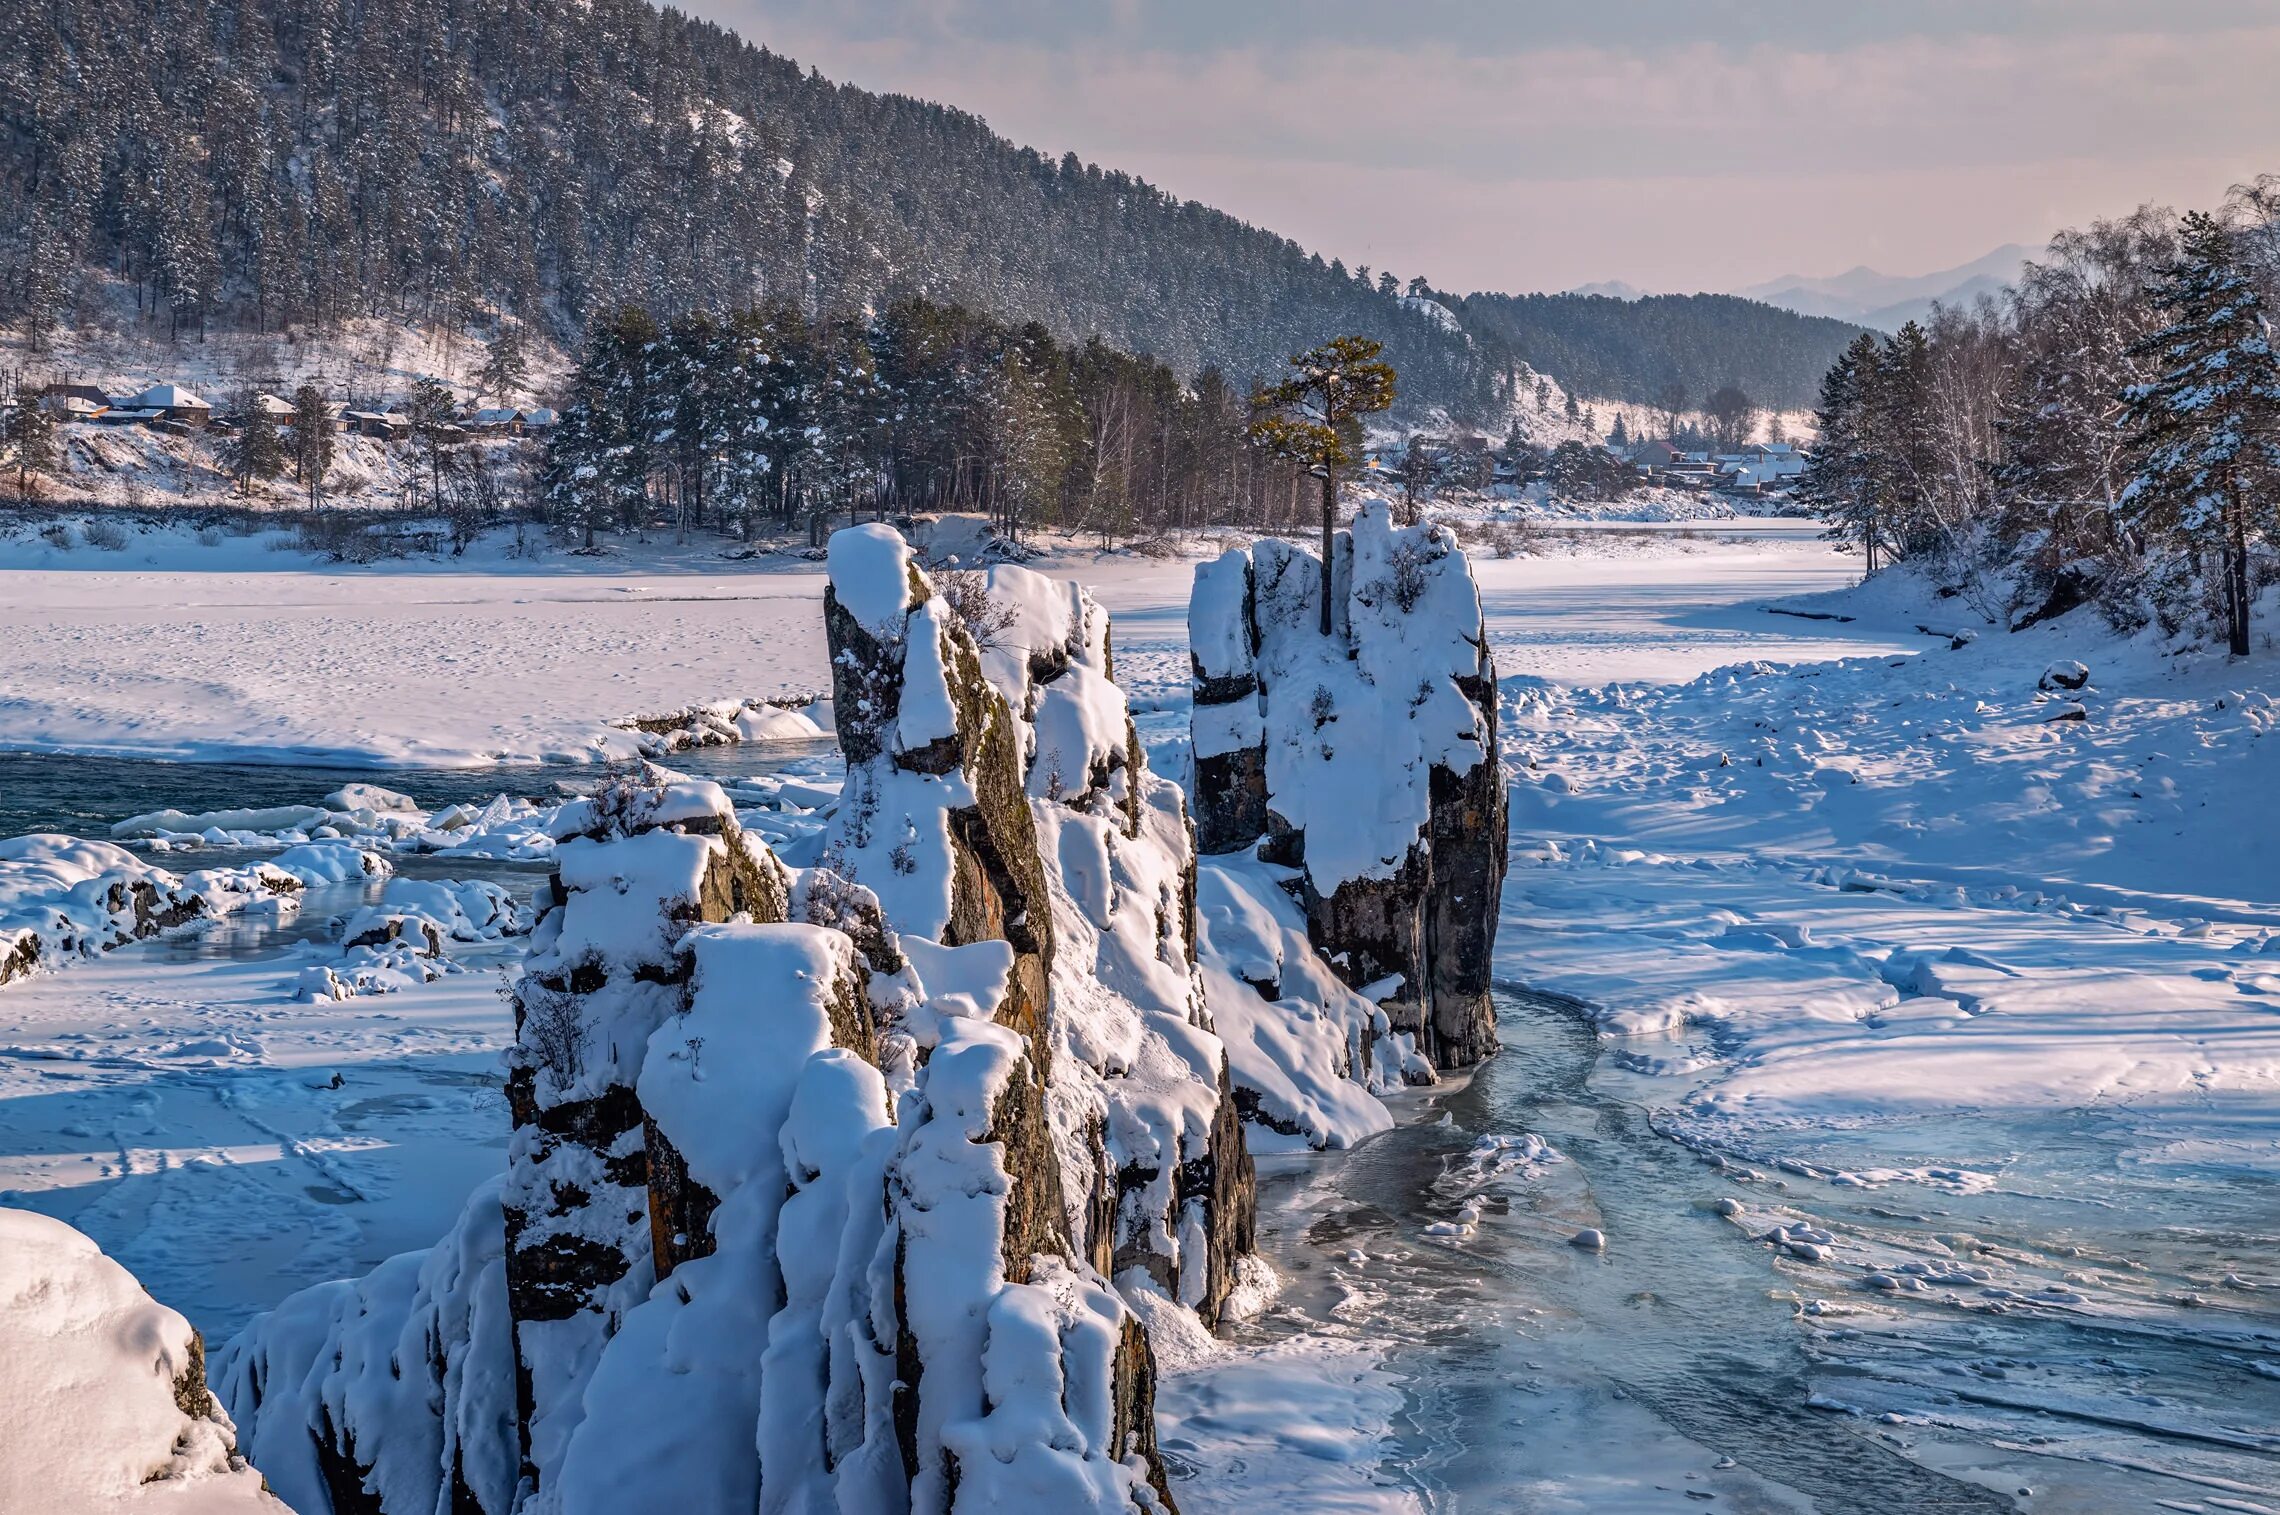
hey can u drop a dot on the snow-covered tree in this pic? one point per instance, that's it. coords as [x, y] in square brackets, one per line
[2205, 433]
[256, 451]
[312, 439]
[506, 367]
[1841, 484]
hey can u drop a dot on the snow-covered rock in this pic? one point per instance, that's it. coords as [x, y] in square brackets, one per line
[63, 897]
[1366, 759]
[104, 1403]
[728, 1267]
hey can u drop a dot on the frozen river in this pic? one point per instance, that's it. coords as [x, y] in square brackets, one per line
[1913, 1198]
[1690, 1364]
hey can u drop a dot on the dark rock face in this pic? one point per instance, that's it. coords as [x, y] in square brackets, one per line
[998, 890]
[1367, 759]
[1468, 846]
[1230, 745]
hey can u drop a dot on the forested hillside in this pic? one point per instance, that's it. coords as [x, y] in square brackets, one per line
[268, 164]
[1662, 348]
[299, 161]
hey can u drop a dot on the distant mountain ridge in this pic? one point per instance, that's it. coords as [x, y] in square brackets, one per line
[1887, 301]
[1648, 350]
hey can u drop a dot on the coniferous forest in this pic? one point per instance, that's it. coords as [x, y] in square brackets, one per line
[767, 418]
[276, 163]
[2109, 432]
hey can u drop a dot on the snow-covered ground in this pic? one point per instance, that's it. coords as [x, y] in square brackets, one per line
[1967, 1004]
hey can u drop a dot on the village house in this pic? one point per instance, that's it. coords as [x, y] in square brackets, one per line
[171, 402]
[380, 425]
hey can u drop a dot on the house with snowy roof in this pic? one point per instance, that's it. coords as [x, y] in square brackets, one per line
[380, 425]
[173, 403]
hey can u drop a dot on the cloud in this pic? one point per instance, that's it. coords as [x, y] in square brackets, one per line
[1680, 145]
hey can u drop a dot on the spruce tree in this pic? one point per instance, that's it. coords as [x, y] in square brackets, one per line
[257, 451]
[2205, 433]
[29, 431]
[1841, 483]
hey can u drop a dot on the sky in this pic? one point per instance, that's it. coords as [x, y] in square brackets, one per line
[1669, 144]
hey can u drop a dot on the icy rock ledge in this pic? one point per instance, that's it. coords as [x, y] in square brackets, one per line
[64, 897]
[1365, 760]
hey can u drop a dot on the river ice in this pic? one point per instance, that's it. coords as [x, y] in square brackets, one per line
[1915, 1058]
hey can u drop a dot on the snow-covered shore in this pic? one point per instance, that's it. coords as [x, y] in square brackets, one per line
[241, 650]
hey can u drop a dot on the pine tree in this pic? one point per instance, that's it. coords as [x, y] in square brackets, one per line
[312, 426]
[433, 431]
[29, 431]
[2205, 433]
[1618, 435]
[1313, 419]
[506, 368]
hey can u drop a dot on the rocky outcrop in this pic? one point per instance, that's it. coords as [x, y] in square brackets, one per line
[1365, 759]
[820, 1174]
[637, 866]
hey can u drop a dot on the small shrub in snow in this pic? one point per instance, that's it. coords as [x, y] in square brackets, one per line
[967, 592]
[110, 536]
[57, 534]
[554, 1034]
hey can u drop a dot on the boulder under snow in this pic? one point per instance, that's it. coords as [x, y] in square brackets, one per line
[103, 1398]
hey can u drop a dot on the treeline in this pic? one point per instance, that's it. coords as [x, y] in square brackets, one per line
[300, 162]
[1665, 351]
[2110, 431]
[769, 418]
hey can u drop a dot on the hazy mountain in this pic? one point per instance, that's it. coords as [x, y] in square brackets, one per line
[1888, 301]
[1647, 349]
[1613, 289]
